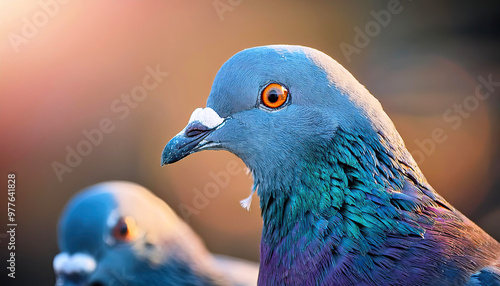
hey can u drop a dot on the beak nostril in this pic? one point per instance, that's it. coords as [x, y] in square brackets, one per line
[195, 129]
[193, 133]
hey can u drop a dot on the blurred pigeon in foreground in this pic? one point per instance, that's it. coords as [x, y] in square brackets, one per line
[343, 201]
[119, 233]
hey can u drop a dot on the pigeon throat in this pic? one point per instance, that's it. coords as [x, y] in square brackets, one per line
[342, 198]
[341, 173]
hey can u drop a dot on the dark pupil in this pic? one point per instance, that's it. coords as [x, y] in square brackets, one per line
[273, 96]
[123, 229]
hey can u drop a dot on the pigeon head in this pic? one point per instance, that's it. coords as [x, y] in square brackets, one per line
[273, 106]
[120, 233]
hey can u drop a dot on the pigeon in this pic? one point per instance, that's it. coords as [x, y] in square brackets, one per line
[342, 200]
[119, 233]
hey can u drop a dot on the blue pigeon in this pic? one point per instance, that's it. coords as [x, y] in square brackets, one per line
[342, 200]
[119, 233]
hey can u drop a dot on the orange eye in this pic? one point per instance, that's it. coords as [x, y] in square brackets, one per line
[274, 95]
[125, 229]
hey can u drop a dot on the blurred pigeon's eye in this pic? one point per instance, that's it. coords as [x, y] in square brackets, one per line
[125, 229]
[274, 95]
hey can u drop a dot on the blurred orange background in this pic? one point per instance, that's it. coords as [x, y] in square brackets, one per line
[62, 73]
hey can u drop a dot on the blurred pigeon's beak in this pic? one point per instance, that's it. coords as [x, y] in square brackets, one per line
[192, 138]
[73, 269]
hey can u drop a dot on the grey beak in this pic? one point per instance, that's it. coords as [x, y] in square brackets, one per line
[185, 143]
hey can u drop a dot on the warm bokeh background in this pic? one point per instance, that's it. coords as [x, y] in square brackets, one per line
[65, 75]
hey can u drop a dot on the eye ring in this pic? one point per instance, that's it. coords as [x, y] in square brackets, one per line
[125, 229]
[274, 95]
